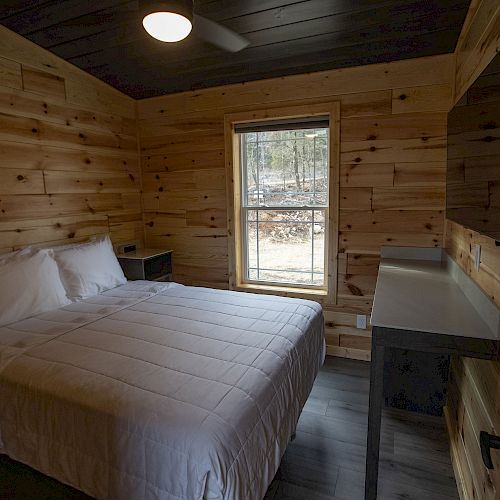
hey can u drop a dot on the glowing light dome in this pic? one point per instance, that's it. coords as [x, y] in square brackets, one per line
[167, 26]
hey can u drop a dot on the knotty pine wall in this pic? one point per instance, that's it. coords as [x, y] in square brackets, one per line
[69, 163]
[474, 389]
[392, 173]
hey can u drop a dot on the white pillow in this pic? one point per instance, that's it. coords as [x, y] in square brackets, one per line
[29, 285]
[89, 269]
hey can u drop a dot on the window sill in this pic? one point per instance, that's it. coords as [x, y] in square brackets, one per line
[281, 290]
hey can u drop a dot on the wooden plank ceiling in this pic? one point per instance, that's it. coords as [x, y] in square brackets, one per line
[106, 38]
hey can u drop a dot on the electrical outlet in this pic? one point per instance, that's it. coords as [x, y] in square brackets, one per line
[361, 321]
[476, 252]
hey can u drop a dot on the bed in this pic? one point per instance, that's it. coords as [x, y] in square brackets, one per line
[160, 391]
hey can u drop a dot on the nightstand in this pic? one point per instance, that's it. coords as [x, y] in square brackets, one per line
[147, 264]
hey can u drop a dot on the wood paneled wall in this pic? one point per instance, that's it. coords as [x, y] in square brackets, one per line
[69, 163]
[392, 174]
[474, 391]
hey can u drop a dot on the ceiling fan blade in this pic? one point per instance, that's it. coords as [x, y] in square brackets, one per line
[218, 35]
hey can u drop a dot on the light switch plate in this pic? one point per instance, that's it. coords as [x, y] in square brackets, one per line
[476, 252]
[361, 321]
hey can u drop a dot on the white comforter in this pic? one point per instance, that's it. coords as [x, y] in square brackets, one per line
[159, 391]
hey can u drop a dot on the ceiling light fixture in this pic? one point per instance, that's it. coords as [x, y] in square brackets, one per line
[168, 21]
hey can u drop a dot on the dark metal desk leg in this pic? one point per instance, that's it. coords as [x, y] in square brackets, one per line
[374, 418]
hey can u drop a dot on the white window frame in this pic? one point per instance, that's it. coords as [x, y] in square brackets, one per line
[245, 208]
[236, 255]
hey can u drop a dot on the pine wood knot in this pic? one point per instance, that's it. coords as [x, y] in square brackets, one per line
[357, 160]
[34, 130]
[373, 148]
[488, 126]
[160, 189]
[71, 235]
[354, 290]
[402, 97]
[20, 177]
[132, 178]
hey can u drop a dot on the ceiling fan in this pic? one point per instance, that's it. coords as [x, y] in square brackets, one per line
[173, 20]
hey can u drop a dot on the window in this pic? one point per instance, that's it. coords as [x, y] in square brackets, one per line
[284, 176]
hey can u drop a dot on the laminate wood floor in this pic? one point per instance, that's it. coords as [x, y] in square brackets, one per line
[326, 461]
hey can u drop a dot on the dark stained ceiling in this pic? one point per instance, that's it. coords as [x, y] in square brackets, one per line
[106, 38]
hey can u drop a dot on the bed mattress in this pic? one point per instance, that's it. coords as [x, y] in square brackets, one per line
[159, 390]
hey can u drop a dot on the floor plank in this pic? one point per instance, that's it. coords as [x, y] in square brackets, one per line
[326, 461]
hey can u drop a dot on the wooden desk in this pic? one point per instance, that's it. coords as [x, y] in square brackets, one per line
[423, 302]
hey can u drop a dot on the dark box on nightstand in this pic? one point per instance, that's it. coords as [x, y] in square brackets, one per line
[147, 264]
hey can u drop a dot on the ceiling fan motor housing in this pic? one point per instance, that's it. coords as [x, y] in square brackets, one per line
[182, 7]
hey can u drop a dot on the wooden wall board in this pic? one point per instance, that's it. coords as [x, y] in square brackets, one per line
[40, 157]
[10, 74]
[190, 160]
[58, 181]
[41, 82]
[36, 231]
[416, 150]
[348, 352]
[399, 221]
[69, 165]
[394, 126]
[21, 181]
[408, 198]
[16, 207]
[428, 98]
[33, 131]
[370, 243]
[478, 43]
[366, 104]
[432, 174]
[55, 109]
[366, 174]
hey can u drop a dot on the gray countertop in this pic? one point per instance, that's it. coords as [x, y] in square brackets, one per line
[432, 295]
